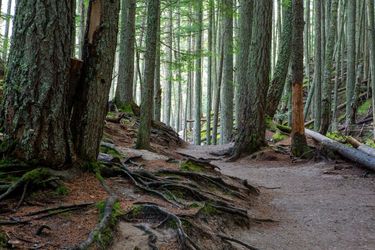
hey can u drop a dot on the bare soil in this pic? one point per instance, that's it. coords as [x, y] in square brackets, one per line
[318, 205]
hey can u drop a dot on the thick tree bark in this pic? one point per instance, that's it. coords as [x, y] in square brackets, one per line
[153, 10]
[124, 91]
[299, 143]
[37, 85]
[227, 85]
[92, 96]
[246, 18]
[251, 133]
[276, 88]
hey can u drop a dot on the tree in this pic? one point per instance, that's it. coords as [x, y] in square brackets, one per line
[7, 27]
[143, 139]
[251, 130]
[124, 91]
[198, 74]
[299, 144]
[371, 37]
[351, 78]
[318, 64]
[329, 70]
[227, 85]
[276, 88]
[169, 80]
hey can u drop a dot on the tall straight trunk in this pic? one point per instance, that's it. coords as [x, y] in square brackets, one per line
[299, 144]
[246, 18]
[227, 89]
[82, 27]
[351, 56]
[307, 44]
[91, 101]
[35, 96]
[318, 65]
[198, 75]
[179, 76]
[276, 88]
[209, 71]
[329, 71]
[251, 136]
[157, 85]
[168, 87]
[371, 39]
[124, 91]
[144, 131]
[217, 98]
[7, 27]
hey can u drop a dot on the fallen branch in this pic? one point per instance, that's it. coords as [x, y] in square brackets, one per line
[360, 146]
[61, 207]
[227, 238]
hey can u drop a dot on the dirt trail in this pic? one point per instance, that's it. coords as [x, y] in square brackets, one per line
[318, 205]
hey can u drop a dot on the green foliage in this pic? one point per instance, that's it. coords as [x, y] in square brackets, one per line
[363, 109]
[127, 108]
[62, 190]
[110, 151]
[190, 167]
[270, 125]
[370, 143]
[3, 241]
[37, 176]
[278, 137]
[208, 209]
[335, 135]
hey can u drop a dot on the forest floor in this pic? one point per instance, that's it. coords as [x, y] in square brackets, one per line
[318, 204]
[181, 196]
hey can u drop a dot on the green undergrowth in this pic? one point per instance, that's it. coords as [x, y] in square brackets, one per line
[3, 241]
[189, 166]
[127, 108]
[370, 143]
[208, 210]
[110, 151]
[335, 135]
[104, 238]
[278, 137]
[363, 109]
[62, 190]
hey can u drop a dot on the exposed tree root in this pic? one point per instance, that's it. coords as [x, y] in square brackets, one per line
[230, 239]
[61, 207]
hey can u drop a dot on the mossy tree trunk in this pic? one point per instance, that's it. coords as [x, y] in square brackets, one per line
[299, 144]
[251, 130]
[153, 14]
[92, 94]
[37, 84]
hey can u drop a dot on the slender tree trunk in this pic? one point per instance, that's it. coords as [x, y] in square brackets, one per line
[91, 101]
[168, 87]
[299, 144]
[209, 71]
[153, 14]
[318, 64]
[198, 75]
[276, 88]
[7, 27]
[227, 85]
[329, 71]
[124, 91]
[351, 55]
[157, 85]
[82, 26]
[252, 136]
[371, 39]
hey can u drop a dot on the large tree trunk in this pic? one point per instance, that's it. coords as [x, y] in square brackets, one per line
[299, 144]
[277, 85]
[251, 132]
[143, 140]
[92, 96]
[371, 36]
[37, 85]
[227, 85]
[124, 91]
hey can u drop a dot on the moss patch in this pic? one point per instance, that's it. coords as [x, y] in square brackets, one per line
[336, 136]
[278, 137]
[190, 167]
[3, 241]
[110, 151]
[208, 209]
[363, 109]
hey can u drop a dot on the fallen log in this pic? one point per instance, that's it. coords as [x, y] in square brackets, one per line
[360, 146]
[352, 154]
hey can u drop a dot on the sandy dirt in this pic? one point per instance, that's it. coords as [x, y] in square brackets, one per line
[317, 205]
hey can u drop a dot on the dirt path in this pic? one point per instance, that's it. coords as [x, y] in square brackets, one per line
[317, 205]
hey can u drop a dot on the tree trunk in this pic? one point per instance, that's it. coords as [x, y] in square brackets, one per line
[227, 85]
[168, 85]
[92, 96]
[198, 75]
[276, 88]
[371, 37]
[7, 27]
[157, 86]
[153, 10]
[124, 91]
[318, 64]
[35, 95]
[299, 143]
[246, 18]
[251, 132]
